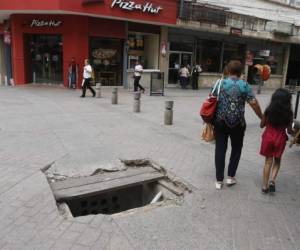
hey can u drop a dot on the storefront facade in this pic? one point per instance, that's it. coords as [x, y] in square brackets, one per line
[161, 34]
[111, 33]
[213, 51]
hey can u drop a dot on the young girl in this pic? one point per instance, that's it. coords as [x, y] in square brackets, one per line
[277, 118]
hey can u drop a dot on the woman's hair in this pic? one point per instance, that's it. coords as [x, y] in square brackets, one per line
[279, 112]
[235, 67]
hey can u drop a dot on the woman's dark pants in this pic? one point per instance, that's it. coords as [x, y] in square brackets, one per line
[236, 135]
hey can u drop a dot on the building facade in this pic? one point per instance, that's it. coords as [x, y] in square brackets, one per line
[256, 32]
[45, 36]
[38, 39]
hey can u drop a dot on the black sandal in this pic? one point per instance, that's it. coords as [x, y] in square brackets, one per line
[272, 186]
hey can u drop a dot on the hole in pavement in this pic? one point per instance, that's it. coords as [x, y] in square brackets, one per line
[143, 183]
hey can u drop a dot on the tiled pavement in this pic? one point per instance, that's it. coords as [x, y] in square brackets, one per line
[40, 124]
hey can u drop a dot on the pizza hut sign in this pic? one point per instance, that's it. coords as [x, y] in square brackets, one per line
[146, 7]
[45, 23]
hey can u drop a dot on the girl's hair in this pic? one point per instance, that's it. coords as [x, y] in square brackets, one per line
[279, 112]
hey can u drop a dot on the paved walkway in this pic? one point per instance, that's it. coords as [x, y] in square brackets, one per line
[40, 124]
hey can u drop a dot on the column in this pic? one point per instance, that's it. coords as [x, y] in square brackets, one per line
[164, 58]
[286, 60]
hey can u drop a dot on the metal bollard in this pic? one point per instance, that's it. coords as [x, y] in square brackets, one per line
[114, 97]
[137, 102]
[98, 90]
[169, 112]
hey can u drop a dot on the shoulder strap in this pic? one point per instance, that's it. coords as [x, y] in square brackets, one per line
[217, 85]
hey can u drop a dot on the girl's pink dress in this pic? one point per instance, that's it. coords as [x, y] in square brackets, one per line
[273, 142]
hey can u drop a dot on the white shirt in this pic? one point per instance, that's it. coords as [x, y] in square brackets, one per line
[87, 71]
[184, 72]
[138, 70]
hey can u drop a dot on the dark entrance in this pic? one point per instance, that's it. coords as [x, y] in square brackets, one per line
[43, 58]
[293, 74]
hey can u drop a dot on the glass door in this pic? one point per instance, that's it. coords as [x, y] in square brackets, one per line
[174, 66]
[46, 55]
[176, 60]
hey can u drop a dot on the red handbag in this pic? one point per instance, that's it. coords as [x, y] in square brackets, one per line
[209, 106]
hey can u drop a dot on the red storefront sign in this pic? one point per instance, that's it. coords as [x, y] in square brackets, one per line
[152, 11]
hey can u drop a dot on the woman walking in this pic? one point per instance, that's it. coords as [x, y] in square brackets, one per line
[230, 121]
[277, 118]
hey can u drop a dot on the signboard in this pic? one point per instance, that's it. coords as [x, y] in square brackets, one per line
[236, 32]
[264, 52]
[45, 23]
[146, 7]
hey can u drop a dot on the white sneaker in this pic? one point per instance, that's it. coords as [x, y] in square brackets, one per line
[231, 181]
[219, 185]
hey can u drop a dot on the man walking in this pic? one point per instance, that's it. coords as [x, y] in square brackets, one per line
[87, 77]
[138, 70]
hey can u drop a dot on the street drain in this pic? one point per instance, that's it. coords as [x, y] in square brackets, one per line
[141, 184]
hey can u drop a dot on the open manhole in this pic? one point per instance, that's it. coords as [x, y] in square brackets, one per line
[142, 183]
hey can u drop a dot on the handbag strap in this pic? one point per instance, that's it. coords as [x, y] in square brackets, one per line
[217, 84]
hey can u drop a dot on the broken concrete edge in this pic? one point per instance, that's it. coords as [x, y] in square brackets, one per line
[167, 202]
[47, 167]
[64, 210]
[148, 162]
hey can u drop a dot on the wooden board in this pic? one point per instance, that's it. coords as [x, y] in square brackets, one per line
[98, 184]
[72, 182]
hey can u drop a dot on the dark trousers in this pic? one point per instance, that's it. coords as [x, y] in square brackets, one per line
[236, 135]
[137, 83]
[195, 81]
[87, 84]
[184, 81]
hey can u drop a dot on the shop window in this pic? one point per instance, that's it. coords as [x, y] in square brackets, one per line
[107, 60]
[271, 54]
[181, 46]
[144, 48]
[233, 51]
[208, 55]
[275, 60]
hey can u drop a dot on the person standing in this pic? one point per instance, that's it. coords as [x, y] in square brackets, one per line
[184, 76]
[87, 78]
[278, 117]
[73, 74]
[138, 70]
[195, 76]
[230, 121]
[257, 79]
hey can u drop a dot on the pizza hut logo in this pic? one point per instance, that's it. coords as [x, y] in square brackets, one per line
[147, 7]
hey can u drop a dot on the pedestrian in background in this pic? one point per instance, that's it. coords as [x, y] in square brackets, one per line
[184, 76]
[195, 76]
[73, 74]
[230, 121]
[87, 78]
[138, 70]
[277, 117]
